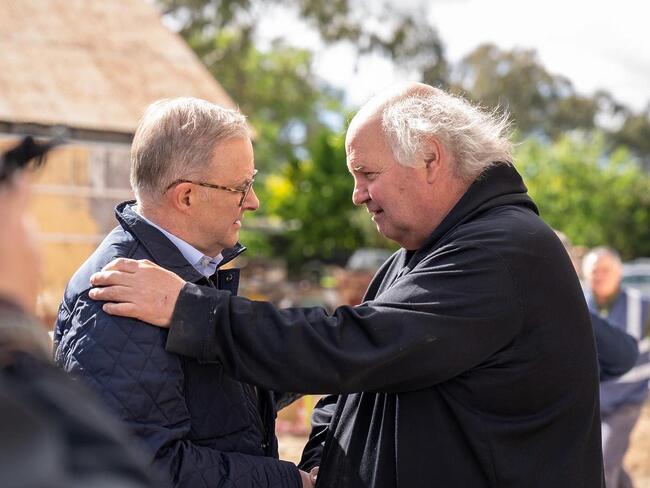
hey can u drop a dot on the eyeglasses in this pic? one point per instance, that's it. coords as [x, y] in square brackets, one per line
[244, 190]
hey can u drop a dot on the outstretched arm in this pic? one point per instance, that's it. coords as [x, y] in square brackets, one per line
[408, 338]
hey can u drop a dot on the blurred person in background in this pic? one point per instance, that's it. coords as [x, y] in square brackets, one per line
[617, 350]
[353, 280]
[52, 433]
[471, 361]
[192, 171]
[621, 399]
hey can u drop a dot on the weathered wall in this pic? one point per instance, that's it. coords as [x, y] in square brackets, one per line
[72, 205]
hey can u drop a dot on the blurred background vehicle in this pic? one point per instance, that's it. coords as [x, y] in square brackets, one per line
[636, 274]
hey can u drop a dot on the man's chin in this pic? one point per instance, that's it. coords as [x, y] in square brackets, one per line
[394, 234]
[232, 240]
[385, 230]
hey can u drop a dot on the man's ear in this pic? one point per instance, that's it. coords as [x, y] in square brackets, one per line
[182, 196]
[434, 155]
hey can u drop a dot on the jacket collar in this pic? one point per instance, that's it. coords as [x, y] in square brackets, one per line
[498, 185]
[163, 252]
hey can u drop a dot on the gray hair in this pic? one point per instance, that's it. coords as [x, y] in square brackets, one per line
[476, 138]
[176, 138]
[595, 254]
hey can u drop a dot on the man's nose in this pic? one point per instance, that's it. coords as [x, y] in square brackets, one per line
[251, 202]
[360, 194]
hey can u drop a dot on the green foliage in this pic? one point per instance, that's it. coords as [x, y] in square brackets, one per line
[545, 104]
[315, 195]
[594, 197]
[276, 89]
[402, 34]
[635, 134]
[303, 184]
[595, 194]
[538, 101]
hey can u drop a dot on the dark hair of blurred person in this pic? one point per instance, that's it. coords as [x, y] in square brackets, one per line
[52, 433]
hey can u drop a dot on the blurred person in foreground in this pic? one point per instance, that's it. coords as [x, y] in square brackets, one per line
[52, 433]
[192, 171]
[621, 399]
[471, 361]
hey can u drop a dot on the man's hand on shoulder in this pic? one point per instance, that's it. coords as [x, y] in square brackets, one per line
[137, 289]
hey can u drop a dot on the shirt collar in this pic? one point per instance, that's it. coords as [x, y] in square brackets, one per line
[206, 265]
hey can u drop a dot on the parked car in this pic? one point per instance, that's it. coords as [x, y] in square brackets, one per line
[636, 274]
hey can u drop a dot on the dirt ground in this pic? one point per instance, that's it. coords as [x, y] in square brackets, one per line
[637, 459]
[291, 447]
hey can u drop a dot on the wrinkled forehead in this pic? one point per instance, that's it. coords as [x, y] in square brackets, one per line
[362, 127]
[367, 147]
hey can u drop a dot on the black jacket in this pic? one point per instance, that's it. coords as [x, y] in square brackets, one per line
[474, 355]
[200, 427]
[617, 350]
[54, 434]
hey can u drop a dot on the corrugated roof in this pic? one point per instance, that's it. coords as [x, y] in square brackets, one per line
[93, 64]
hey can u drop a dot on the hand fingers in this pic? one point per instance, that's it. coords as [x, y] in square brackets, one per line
[123, 309]
[122, 264]
[148, 263]
[111, 293]
[110, 278]
[306, 480]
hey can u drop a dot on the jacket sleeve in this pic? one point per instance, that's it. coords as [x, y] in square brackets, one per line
[617, 350]
[432, 324]
[321, 419]
[126, 363]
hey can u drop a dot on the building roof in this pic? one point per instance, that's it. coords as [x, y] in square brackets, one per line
[93, 64]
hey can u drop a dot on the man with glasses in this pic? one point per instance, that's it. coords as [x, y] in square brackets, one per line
[192, 172]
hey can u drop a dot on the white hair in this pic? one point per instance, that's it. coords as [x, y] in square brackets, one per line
[176, 139]
[476, 138]
[595, 254]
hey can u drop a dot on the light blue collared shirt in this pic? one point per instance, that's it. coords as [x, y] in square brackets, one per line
[205, 265]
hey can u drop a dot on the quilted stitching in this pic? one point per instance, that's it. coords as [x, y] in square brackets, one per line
[199, 425]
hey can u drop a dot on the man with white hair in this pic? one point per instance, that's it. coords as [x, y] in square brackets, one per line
[471, 361]
[192, 171]
[621, 399]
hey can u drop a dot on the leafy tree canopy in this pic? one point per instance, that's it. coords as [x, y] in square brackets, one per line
[315, 194]
[585, 184]
[594, 196]
[404, 35]
[538, 101]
